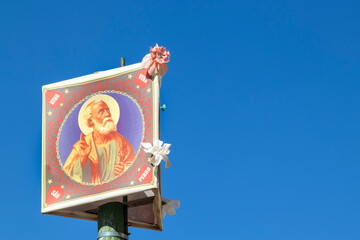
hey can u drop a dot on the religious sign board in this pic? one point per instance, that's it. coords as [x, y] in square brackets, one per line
[93, 130]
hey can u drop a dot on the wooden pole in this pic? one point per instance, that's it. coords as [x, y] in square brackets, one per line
[122, 62]
[113, 216]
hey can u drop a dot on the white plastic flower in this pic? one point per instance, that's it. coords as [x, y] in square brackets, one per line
[159, 152]
[169, 206]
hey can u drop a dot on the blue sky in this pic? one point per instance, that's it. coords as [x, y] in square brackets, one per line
[262, 111]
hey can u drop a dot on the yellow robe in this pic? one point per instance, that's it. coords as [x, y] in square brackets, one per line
[100, 165]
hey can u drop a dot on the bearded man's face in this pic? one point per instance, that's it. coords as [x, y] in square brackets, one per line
[101, 117]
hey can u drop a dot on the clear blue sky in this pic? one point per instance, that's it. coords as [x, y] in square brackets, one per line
[263, 111]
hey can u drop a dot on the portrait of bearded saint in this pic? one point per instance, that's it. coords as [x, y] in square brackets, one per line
[103, 154]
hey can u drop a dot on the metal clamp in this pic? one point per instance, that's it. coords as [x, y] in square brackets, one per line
[112, 234]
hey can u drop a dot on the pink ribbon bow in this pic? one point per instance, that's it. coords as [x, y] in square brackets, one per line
[155, 61]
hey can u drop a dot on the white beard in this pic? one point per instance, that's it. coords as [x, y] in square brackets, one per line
[106, 127]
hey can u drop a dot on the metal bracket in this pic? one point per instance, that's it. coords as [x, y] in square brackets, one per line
[112, 234]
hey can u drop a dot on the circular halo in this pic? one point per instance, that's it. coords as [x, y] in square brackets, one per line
[112, 104]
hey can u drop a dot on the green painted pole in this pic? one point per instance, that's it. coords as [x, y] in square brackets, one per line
[113, 216]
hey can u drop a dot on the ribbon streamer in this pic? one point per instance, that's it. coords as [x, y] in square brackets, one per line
[169, 206]
[159, 152]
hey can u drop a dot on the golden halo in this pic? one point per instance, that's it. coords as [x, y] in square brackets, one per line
[110, 101]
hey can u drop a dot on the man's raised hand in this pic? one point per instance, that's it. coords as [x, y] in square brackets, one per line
[119, 168]
[84, 147]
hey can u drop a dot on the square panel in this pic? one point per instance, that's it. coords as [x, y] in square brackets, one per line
[93, 127]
